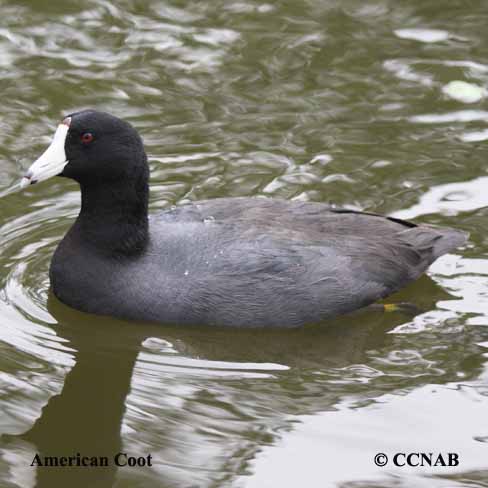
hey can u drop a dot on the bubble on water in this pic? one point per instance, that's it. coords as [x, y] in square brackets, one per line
[423, 35]
[122, 94]
[157, 344]
[464, 92]
[474, 136]
[382, 163]
[403, 69]
[265, 8]
[322, 159]
[459, 116]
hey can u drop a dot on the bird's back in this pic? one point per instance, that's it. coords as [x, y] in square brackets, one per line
[246, 262]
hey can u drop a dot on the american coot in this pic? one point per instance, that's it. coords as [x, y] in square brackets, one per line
[240, 262]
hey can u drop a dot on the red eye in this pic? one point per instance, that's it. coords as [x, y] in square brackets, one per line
[86, 137]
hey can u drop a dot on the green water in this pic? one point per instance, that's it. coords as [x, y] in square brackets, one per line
[332, 101]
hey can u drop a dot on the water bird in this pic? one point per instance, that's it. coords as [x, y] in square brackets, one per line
[233, 262]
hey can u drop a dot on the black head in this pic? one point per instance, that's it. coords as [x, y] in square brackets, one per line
[92, 147]
[105, 155]
[101, 148]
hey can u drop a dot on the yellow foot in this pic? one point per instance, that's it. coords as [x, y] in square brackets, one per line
[402, 307]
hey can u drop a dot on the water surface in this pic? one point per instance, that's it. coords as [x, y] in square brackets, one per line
[347, 102]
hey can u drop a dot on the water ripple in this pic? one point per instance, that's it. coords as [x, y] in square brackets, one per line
[347, 103]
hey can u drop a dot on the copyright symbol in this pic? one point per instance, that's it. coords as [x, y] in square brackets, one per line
[381, 459]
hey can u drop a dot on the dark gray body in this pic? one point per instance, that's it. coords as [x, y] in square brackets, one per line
[250, 262]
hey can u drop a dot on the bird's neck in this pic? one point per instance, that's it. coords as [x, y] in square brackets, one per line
[114, 216]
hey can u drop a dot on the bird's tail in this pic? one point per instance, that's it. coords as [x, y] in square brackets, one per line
[441, 240]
